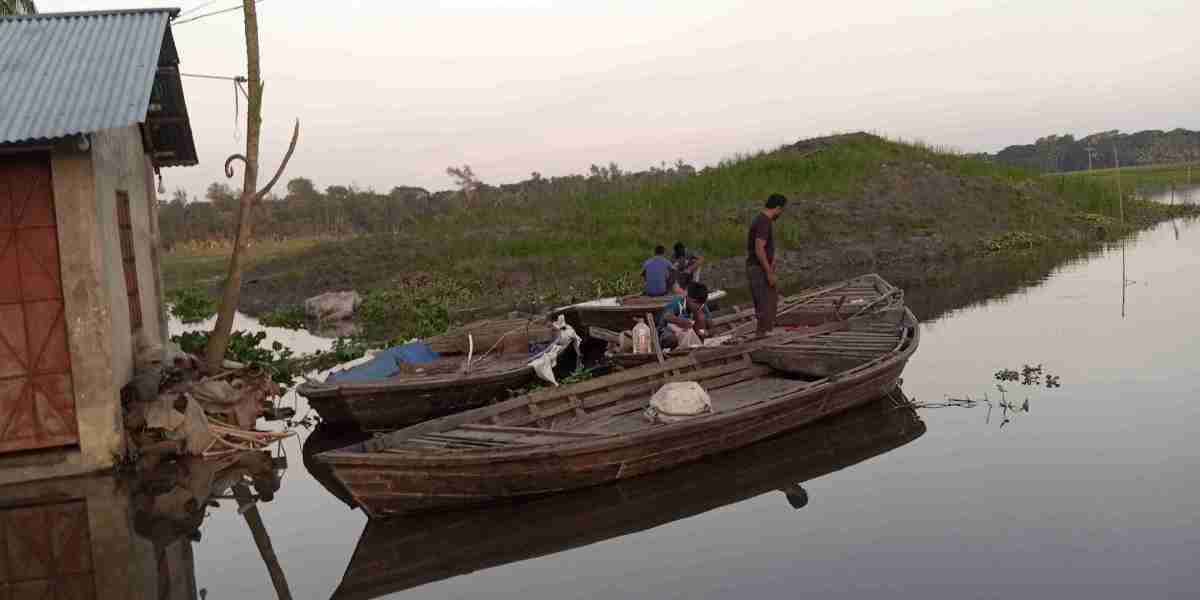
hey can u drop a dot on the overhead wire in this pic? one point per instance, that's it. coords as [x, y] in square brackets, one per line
[188, 11]
[209, 14]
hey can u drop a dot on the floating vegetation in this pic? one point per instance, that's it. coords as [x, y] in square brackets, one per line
[1029, 375]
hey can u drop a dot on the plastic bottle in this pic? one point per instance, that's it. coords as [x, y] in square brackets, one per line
[641, 338]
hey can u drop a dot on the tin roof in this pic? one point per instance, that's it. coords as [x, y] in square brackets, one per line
[69, 73]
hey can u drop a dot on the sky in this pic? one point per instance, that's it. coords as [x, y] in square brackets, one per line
[392, 92]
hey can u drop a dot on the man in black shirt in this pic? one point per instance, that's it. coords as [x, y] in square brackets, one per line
[760, 264]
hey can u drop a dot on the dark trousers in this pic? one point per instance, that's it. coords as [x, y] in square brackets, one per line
[766, 298]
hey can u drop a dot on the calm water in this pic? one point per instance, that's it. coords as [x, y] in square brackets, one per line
[1091, 493]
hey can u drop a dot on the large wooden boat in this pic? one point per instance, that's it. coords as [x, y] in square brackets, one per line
[398, 554]
[864, 296]
[594, 432]
[617, 314]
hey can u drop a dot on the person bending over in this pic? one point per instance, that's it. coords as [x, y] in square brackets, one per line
[685, 313]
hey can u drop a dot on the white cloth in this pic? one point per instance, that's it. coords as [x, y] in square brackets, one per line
[543, 364]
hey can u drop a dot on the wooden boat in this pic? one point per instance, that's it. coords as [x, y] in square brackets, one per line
[594, 432]
[866, 295]
[498, 355]
[430, 391]
[398, 554]
[617, 314]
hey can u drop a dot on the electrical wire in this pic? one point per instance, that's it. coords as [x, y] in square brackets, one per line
[209, 14]
[188, 11]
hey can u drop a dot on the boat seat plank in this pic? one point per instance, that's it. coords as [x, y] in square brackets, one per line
[525, 430]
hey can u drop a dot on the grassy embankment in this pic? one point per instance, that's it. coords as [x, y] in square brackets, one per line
[859, 203]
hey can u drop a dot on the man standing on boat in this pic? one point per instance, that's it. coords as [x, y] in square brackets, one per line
[688, 312]
[657, 271]
[760, 264]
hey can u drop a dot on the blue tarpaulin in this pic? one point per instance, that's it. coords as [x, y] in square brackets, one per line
[386, 363]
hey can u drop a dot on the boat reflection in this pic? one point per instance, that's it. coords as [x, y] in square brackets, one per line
[401, 553]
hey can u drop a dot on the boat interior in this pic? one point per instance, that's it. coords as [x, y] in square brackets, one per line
[734, 378]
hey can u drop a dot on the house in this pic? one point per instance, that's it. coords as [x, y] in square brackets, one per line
[91, 108]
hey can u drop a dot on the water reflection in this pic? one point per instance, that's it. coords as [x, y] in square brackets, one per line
[111, 537]
[402, 553]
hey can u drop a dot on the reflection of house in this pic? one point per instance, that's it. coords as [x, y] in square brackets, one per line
[74, 538]
[91, 107]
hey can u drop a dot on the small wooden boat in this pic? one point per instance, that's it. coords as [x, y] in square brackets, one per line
[617, 314]
[478, 364]
[398, 554]
[594, 432]
[866, 295]
[431, 390]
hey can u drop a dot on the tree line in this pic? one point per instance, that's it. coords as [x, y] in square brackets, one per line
[1055, 153]
[342, 211]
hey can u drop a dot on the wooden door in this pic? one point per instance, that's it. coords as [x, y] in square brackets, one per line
[46, 552]
[37, 403]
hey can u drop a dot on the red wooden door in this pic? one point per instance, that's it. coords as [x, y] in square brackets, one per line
[37, 403]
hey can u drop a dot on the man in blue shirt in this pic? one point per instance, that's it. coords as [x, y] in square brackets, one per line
[687, 312]
[657, 271]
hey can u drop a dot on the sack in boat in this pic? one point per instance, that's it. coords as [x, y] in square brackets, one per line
[677, 401]
[687, 339]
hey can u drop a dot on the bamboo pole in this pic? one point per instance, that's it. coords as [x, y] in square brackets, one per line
[1120, 195]
[654, 337]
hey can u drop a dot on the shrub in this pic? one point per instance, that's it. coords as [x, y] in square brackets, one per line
[191, 304]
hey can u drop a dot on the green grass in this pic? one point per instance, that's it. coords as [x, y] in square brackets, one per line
[1144, 178]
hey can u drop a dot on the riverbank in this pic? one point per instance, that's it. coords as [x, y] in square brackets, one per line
[858, 203]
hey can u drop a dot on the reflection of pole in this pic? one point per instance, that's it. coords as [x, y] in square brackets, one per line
[1123, 280]
[249, 510]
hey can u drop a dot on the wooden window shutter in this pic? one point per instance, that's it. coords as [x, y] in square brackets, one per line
[128, 260]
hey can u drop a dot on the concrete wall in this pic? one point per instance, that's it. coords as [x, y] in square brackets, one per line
[119, 164]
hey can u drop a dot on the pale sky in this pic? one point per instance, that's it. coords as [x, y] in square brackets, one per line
[392, 92]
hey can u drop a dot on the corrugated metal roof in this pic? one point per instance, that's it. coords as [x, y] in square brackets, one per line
[68, 73]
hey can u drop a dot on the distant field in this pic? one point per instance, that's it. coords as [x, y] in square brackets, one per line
[195, 266]
[1145, 176]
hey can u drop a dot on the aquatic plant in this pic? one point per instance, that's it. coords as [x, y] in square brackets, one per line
[289, 316]
[191, 304]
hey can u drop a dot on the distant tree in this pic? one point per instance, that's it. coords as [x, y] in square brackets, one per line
[17, 7]
[223, 198]
[467, 183]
